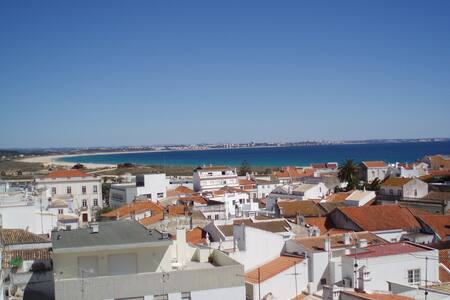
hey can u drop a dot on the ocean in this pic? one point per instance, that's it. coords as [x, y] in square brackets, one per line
[275, 156]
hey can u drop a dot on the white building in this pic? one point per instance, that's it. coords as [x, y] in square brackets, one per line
[124, 260]
[214, 177]
[402, 263]
[404, 187]
[403, 170]
[310, 191]
[284, 277]
[237, 203]
[360, 198]
[153, 186]
[84, 189]
[121, 194]
[370, 170]
[265, 187]
[324, 255]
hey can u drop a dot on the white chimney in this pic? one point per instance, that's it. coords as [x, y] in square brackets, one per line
[362, 243]
[347, 238]
[327, 244]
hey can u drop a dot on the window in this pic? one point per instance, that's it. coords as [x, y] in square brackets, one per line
[83, 189]
[85, 217]
[53, 191]
[399, 192]
[391, 192]
[95, 189]
[216, 217]
[161, 297]
[160, 195]
[414, 276]
[95, 202]
[223, 173]
[415, 192]
[186, 295]
[60, 211]
[209, 217]
[84, 203]
[69, 190]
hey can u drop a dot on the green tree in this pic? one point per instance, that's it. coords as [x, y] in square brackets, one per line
[245, 168]
[348, 172]
[374, 185]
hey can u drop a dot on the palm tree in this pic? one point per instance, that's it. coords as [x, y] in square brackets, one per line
[348, 172]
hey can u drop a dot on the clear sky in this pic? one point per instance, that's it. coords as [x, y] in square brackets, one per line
[91, 73]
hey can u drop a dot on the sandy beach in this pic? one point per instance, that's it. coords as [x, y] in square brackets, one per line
[53, 160]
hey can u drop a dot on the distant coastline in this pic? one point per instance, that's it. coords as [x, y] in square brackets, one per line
[270, 156]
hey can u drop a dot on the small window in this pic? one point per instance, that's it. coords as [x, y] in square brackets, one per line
[95, 202]
[84, 203]
[414, 276]
[391, 192]
[95, 189]
[60, 211]
[83, 190]
[160, 195]
[53, 190]
[415, 192]
[223, 173]
[161, 297]
[209, 217]
[69, 190]
[186, 295]
[216, 217]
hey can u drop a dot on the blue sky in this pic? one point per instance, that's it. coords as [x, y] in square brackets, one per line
[90, 73]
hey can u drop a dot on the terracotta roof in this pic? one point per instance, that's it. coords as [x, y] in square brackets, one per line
[181, 190]
[246, 182]
[306, 208]
[175, 210]
[374, 296]
[20, 236]
[135, 207]
[196, 198]
[374, 164]
[271, 269]
[381, 217]
[324, 224]
[396, 181]
[66, 174]
[338, 197]
[316, 244]
[196, 236]
[440, 224]
[437, 196]
[293, 172]
[152, 219]
[390, 249]
[274, 225]
[25, 254]
[439, 161]
[225, 190]
[444, 276]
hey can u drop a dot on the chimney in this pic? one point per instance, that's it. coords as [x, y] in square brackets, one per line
[347, 238]
[362, 243]
[94, 227]
[327, 244]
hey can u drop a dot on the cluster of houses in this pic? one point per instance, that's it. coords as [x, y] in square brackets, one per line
[294, 234]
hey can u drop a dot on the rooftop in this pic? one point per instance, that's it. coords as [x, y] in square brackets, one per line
[374, 164]
[440, 224]
[134, 207]
[273, 225]
[390, 249]
[375, 296]
[214, 168]
[316, 244]
[19, 236]
[359, 195]
[271, 269]
[396, 181]
[381, 217]
[290, 208]
[67, 174]
[109, 233]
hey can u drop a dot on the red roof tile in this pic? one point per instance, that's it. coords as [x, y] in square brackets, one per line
[271, 269]
[390, 249]
[374, 164]
[135, 207]
[66, 174]
[381, 217]
[438, 223]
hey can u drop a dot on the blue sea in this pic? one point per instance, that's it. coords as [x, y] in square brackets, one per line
[275, 156]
